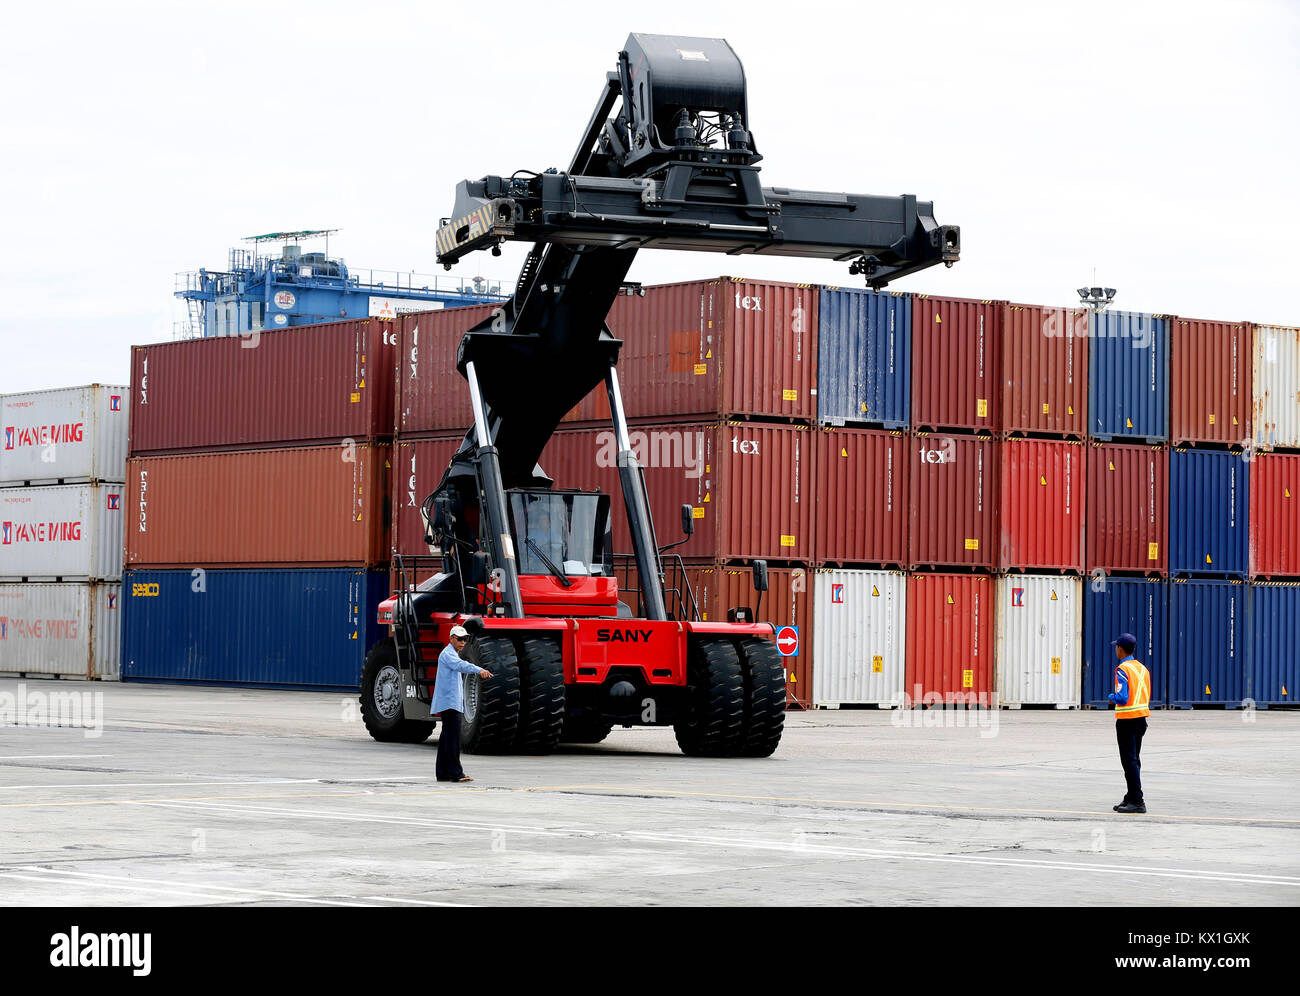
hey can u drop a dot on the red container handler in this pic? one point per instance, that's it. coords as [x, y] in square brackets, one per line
[431, 396]
[319, 506]
[860, 497]
[418, 466]
[952, 496]
[1210, 391]
[1044, 361]
[949, 640]
[714, 348]
[1041, 509]
[955, 343]
[311, 384]
[1275, 515]
[1128, 509]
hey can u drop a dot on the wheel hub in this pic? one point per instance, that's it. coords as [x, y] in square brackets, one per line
[388, 692]
[471, 690]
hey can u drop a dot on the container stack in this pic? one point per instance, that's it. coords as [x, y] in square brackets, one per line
[62, 464]
[258, 497]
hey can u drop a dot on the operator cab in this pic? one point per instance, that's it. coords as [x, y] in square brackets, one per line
[561, 534]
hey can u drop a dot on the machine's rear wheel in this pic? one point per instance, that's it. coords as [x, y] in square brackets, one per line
[713, 722]
[381, 699]
[764, 677]
[491, 718]
[541, 698]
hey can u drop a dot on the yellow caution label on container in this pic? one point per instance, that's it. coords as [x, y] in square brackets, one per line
[1211, 418]
[356, 396]
[709, 355]
[1207, 690]
[981, 407]
[938, 319]
[1128, 423]
[950, 599]
[875, 592]
[787, 540]
[864, 407]
[1284, 691]
[1286, 492]
[1234, 420]
[877, 664]
[1208, 560]
[697, 512]
[968, 679]
[789, 395]
[353, 636]
[1069, 409]
[1153, 551]
[358, 516]
[1054, 595]
[1112, 465]
[793, 679]
[1042, 480]
[843, 452]
[701, 368]
[972, 544]
[707, 499]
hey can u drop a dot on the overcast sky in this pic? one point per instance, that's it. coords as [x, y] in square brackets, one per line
[1155, 142]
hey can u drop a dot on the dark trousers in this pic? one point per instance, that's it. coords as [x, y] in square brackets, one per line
[448, 768]
[1129, 733]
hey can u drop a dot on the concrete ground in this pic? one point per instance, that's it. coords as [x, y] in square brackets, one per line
[229, 797]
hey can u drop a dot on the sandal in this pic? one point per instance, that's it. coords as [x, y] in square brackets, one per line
[465, 778]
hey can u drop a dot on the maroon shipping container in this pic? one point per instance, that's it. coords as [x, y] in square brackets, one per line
[294, 386]
[955, 376]
[860, 497]
[711, 348]
[1275, 515]
[322, 505]
[748, 483]
[418, 466]
[1041, 511]
[1210, 391]
[431, 395]
[1128, 508]
[949, 639]
[1044, 354]
[953, 496]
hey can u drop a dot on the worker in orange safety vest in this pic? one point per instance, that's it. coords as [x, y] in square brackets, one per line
[1132, 699]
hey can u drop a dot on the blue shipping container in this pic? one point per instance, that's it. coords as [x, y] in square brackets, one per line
[1209, 498]
[1207, 646]
[1123, 605]
[1128, 376]
[271, 628]
[864, 367]
[1273, 646]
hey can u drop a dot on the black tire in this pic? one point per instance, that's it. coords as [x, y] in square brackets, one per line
[491, 718]
[541, 695]
[764, 676]
[713, 722]
[584, 729]
[381, 699]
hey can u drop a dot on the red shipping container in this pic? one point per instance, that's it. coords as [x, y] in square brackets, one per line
[728, 346]
[1211, 388]
[418, 466]
[860, 497]
[955, 376]
[1044, 355]
[953, 498]
[1275, 515]
[1128, 508]
[432, 396]
[1040, 514]
[949, 639]
[322, 505]
[748, 483]
[312, 384]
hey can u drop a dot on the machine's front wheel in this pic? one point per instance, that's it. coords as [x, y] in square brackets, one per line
[541, 695]
[381, 699]
[584, 729]
[713, 722]
[764, 676]
[491, 717]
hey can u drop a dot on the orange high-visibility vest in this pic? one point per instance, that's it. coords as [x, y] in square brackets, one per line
[1139, 690]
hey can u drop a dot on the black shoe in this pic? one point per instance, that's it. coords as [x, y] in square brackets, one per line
[1122, 802]
[1132, 807]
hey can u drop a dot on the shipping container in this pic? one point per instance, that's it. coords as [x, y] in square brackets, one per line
[1040, 514]
[949, 640]
[1275, 386]
[63, 630]
[418, 466]
[864, 357]
[292, 387]
[1275, 515]
[1273, 624]
[860, 634]
[323, 505]
[1112, 606]
[1207, 646]
[1208, 500]
[860, 496]
[70, 532]
[1210, 397]
[1039, 640]
[952, 493]
[748, 484]
[431, 395]
[955, 374]
[1128, 508]
[295, 628]
[1128, 376]
[69, 435]
[1044, 370]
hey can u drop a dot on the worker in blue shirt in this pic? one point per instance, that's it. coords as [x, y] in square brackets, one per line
[449, 704]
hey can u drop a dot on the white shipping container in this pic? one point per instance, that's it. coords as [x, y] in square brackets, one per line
[1276, 402]
[69, 435]
[69, 630]
[859, 637]
[1039, 641]
[72, 532]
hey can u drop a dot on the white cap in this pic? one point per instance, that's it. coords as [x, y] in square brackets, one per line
[459, 631]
